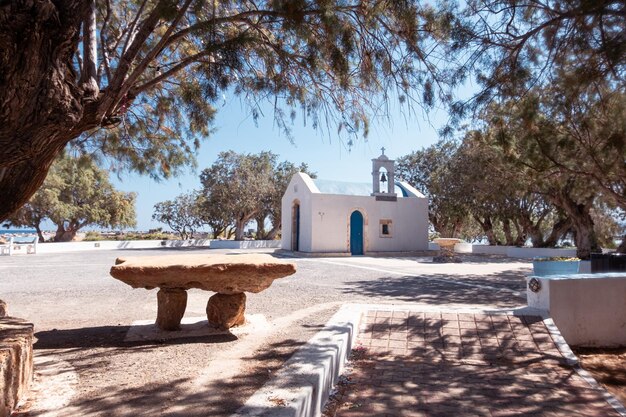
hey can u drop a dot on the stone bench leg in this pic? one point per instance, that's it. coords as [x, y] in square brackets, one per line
[171, 308]
[226, 310]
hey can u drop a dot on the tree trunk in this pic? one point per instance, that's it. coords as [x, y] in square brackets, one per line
[276, 227]
[487, 226]
[582, 223]
[89, 72]
[273, 233]
[260, 228]
[586, 241]
[40, 234]
[217, 231]
[65, 235]
[41, 106]
[508, 235]
[520, 240]
[559, 229]
[240, 225]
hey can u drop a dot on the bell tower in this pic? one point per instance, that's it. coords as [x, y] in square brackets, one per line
[383, 178]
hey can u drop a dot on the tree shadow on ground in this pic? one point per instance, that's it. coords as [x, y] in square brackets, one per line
[505, 288]
[113, 337]
[190, 397]
[483, 367]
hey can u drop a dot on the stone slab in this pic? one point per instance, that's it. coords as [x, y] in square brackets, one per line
[225, 274]
[16, 362]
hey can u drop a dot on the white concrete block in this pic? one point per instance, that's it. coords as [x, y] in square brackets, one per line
[589, 309]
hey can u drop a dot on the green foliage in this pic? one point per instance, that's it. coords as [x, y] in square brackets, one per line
[271, 201]
[511, 47]
[94, 236]
[540, 166]
[183, 214]
[75, 194]
[238, 188]
[429, 170]
[556, 258]
[167, 66]
[570, 145]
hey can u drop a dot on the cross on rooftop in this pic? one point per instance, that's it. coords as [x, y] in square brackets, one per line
[383, 150]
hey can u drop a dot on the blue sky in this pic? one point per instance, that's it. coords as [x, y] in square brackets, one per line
[327, 156]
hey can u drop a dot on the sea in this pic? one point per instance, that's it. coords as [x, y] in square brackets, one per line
[17, 231]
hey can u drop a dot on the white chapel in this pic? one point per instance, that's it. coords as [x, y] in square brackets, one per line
[344, 218]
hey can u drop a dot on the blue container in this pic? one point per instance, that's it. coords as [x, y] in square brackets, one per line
[543, 268]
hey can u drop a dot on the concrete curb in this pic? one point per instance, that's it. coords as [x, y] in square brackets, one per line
[575, 363]
[302, 386]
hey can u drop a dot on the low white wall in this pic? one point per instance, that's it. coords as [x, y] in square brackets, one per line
[463, 247]
[54, 247]
[244, 244]
[489, 250]
[515, 252]
[588, 309]
[148, 244]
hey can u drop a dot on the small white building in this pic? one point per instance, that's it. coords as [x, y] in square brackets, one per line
[351, 218]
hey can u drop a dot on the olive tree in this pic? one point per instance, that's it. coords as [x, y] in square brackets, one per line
[182, 214]
[76, 193]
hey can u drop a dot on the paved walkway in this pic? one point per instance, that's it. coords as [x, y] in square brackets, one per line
[447, 364]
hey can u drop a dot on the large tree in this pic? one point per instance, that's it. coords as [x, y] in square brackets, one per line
[430, 171]
[271, 201]
[75, 194]
[182, 215]
[512, 46]
[236, 183]
[137, 80]
[571, 144]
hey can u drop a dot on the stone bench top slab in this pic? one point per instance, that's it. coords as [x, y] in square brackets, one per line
[225, 274]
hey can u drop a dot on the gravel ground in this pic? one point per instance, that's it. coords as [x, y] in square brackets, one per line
[81, 315]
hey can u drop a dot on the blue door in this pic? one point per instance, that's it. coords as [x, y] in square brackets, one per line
[356, 233]
[295, 228]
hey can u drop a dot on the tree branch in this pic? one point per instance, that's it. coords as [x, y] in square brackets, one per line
[138, 71]
[89, 72]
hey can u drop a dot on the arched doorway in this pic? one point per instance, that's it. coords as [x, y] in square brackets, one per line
[356, 233]
[295, 227]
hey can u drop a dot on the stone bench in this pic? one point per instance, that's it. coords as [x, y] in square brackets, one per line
[15, 244]
[16, 360]
[230, 276]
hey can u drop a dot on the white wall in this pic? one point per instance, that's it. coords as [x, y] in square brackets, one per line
[489, 250]
[151, 244]
[300, 188]
[331, 223]
[588, 309]
[517, 252]
[54, 247]
[244, 244]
